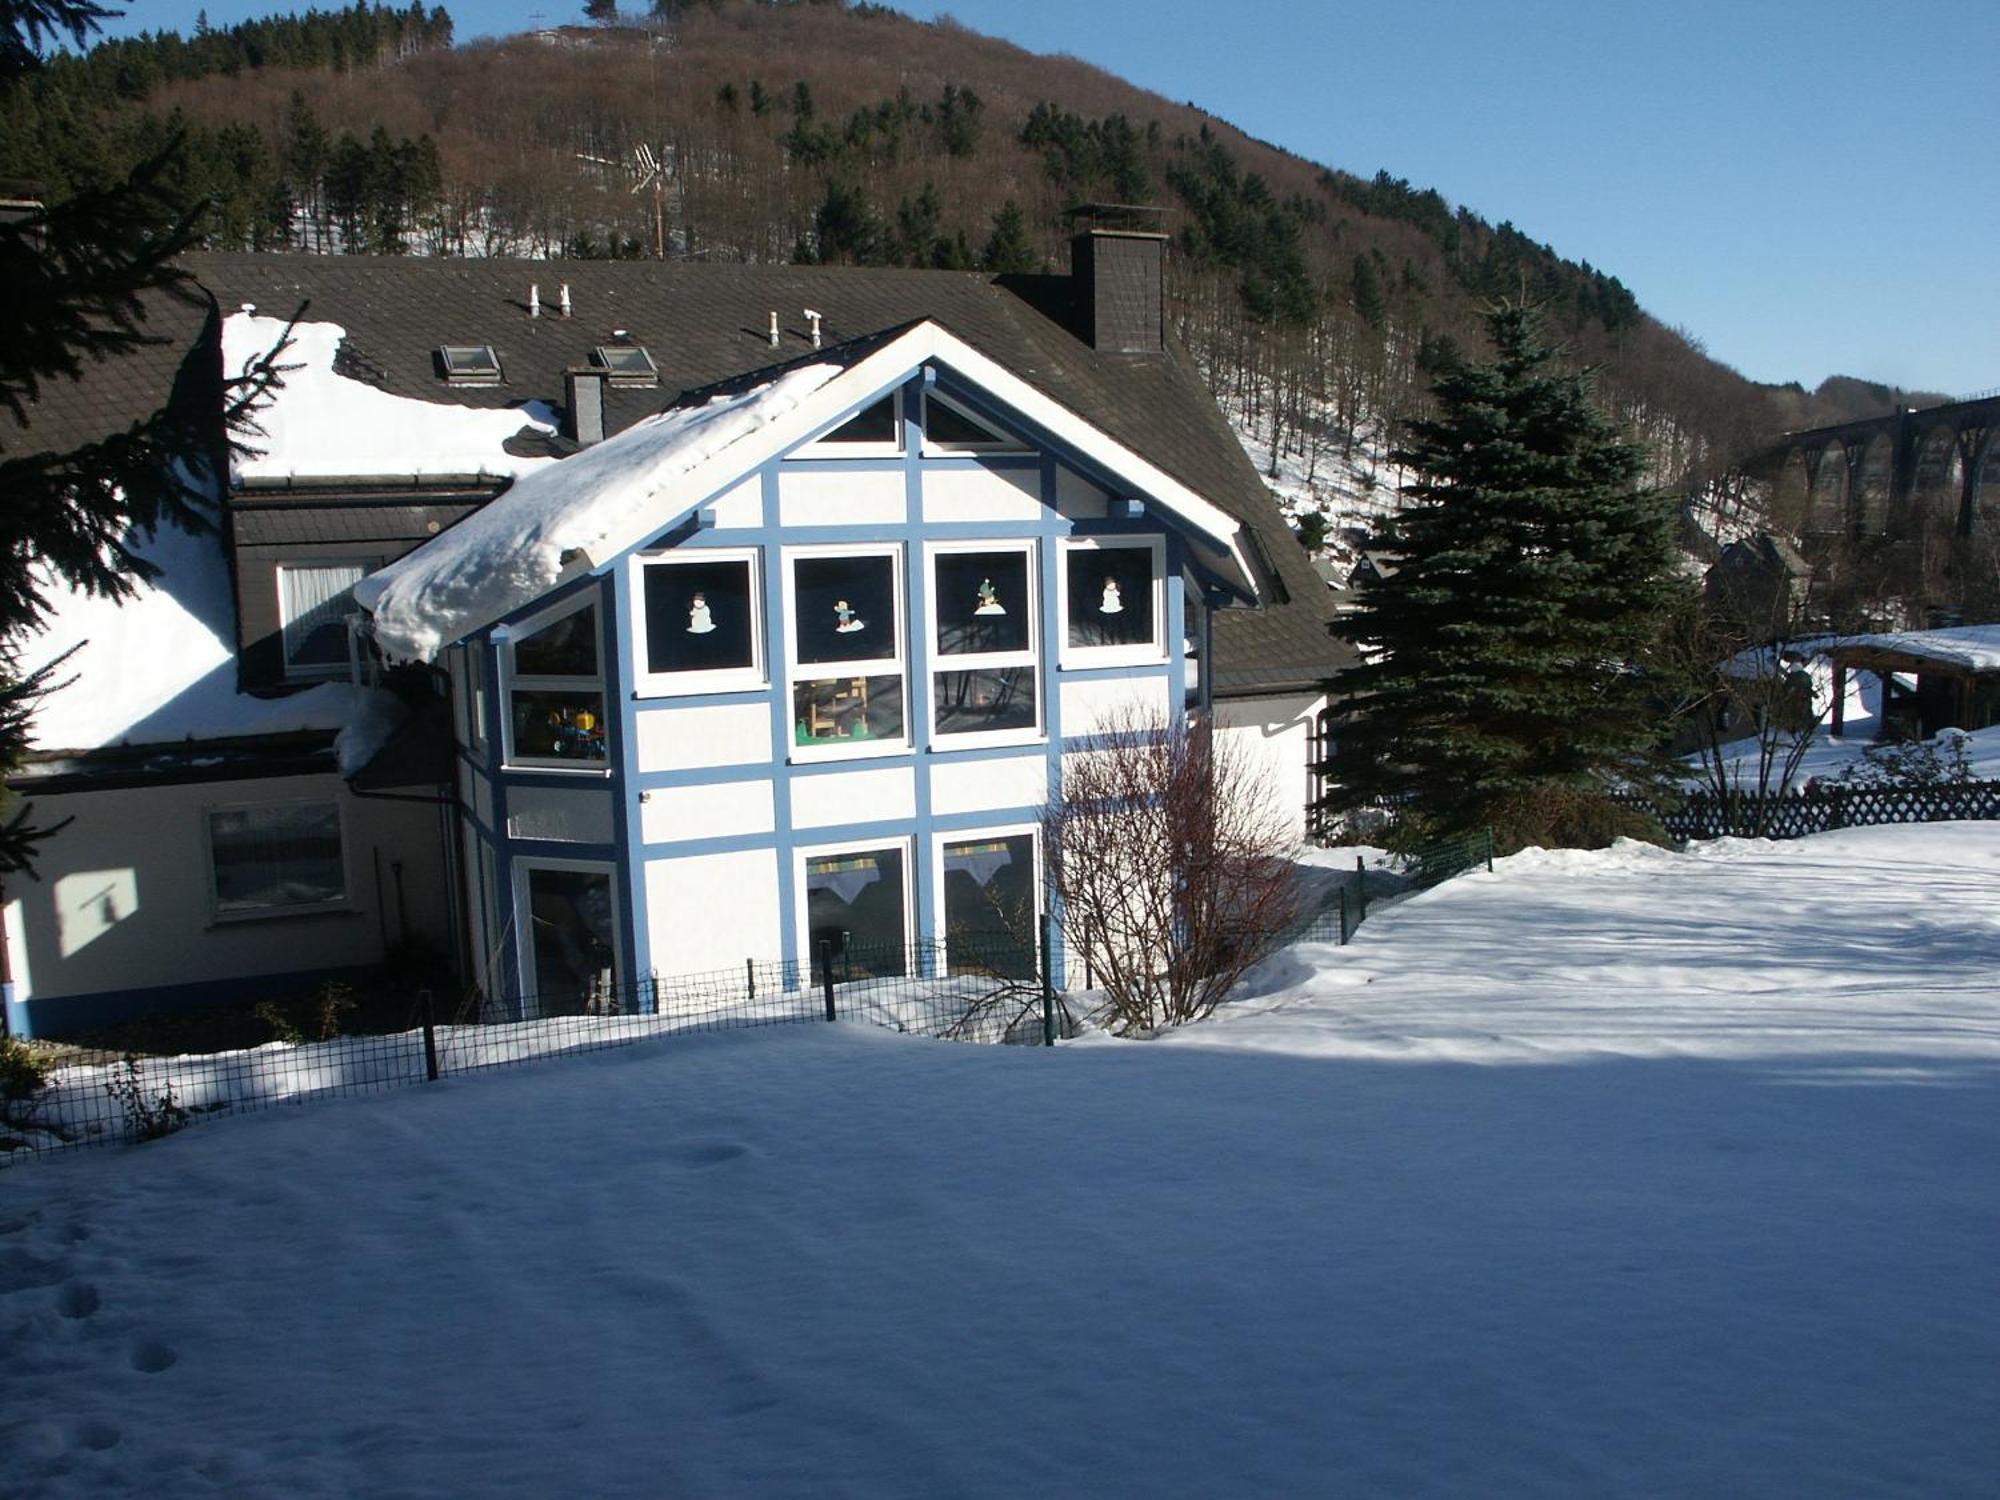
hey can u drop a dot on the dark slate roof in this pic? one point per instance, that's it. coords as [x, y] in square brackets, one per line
[708, 324]
[114, 393]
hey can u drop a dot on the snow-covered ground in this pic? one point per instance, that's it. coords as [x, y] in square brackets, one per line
[1620, 1173]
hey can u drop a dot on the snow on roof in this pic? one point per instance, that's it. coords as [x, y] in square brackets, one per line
[516, 549]
[1974, 647]
[161, 667]
[320, 424]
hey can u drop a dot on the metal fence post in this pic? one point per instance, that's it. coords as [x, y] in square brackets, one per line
[826, 974]
[750, 977]
[1360, 890]
[1342, 893]
[1489, 851]
[430, 1036]
[1048, 981]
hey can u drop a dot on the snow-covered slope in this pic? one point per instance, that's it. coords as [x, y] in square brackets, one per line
[1614, 1174]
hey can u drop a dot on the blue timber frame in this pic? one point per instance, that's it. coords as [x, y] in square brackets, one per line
[1040, 461]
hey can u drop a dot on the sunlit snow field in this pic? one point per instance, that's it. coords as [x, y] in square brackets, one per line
[1626, 1173]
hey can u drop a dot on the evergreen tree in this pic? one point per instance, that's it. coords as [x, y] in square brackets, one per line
[1008, 248]
[1497, 687]
[75, 283]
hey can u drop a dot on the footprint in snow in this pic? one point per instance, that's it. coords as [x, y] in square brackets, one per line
[96, 1436]
[152, 1356]
[78, 1299]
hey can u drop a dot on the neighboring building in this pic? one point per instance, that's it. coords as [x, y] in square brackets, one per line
[1759, 584]
[798, 661]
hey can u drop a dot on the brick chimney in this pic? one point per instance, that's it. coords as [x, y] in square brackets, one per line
[1118, 267]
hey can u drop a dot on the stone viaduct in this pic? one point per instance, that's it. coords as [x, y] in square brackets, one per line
[1936, 469]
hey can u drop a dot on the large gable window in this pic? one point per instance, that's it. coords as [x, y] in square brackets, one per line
[983, 609]
[874, 431]
[949, 428]
[1113, 601]
[314, 601]
[555, 691]
[283, 859]
[700, 622]
[846, 652]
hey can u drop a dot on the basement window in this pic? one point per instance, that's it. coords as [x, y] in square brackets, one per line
[627, 364]
[469, 364]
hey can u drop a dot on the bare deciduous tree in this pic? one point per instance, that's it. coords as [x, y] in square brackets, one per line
[1172, 861]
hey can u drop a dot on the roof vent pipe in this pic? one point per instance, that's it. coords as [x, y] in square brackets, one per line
[813, 318]
[534, 300]
[774, 330]
[562, 299]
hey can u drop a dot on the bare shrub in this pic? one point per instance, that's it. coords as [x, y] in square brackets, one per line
[1172, 861]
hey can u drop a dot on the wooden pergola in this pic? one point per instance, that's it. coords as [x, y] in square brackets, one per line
[1957, 676]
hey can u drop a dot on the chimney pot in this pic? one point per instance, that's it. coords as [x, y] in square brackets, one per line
[813, 318]
[534, 300]
[774, 330]
[583, 406]
[562, 300]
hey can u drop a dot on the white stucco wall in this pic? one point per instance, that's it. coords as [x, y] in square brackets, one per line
[126, 898]
[1274, 735]
[712, 911]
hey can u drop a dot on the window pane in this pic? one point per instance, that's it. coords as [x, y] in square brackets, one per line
[1110, 596]
[571, 945]
[989, 905]
[854, 904]
[698, 617]
[847, 710]
[559, 726]
[846, 608]
[949, 428]
[877, 424]
[267, 857]
[314, 602]
[981, 601]
[976, 702]
[562, 648]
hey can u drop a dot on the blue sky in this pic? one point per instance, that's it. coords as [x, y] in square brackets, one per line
[1807, 188]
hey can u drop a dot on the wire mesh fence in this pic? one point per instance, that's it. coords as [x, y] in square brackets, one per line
[987, 987]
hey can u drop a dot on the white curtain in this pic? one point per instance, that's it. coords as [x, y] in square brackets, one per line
[312, 599]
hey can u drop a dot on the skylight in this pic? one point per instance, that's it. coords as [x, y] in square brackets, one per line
[627, 364]
[470, 364]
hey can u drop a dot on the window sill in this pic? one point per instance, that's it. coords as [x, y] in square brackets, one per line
[987, 740]
[342, 908]
[819, 755]
[535, 768]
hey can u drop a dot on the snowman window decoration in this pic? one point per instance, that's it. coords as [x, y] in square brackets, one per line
[989, 599]
[1111, 603]
[700, 621]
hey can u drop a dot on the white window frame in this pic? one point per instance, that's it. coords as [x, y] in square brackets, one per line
[972, 836]
[1032, 657]
[219, 913]
[1003, 442]
[898, 841]
[310, 671]
[524, 918]
[750, 679]
[1144, 654]
[510, 681]
[820, 447]
[796, 673]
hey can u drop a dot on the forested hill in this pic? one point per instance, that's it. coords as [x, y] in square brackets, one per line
[851, 133]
